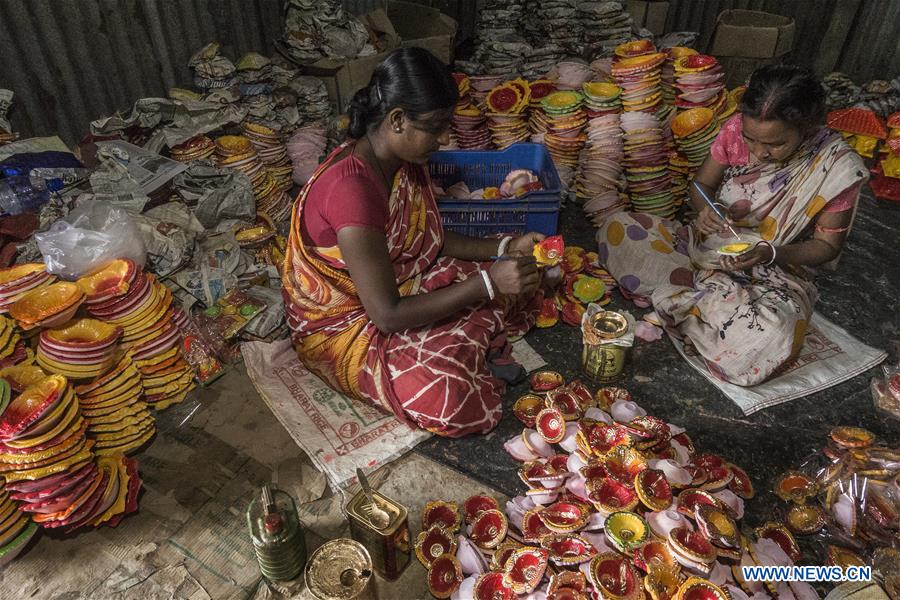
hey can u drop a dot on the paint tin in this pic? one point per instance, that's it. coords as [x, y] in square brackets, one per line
[341, 569]
[389, 547]
[601, 358]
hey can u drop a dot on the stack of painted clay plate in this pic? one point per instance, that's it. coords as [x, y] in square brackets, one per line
[482, 86]
[647, 164]
[11, 345]
[468, 126]
[238, 152]
[22, 376]
[600, 182]
[537, 124]
[113, 406]
[272, 152]
[640, 79]
[144, 312]
[668, 71]
[196, 148]
[17, 280]
[82, 349]
[43, 434]
[15, 527]
[601, 98]
[565, 118]
[699, 83]
[47, 306]
[506, 114]
[695, 130]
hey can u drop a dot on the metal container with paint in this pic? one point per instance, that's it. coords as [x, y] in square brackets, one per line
[341, 569]
[601, 359]
[277, 537]
[388, 546]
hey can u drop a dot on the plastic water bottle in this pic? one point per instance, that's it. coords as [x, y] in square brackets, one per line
[26, 194]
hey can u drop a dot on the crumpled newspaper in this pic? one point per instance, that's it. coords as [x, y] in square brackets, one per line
[314, 29]
[180, 119]
[211, 69]
[169, 232]
[217, 263]
[216, 193]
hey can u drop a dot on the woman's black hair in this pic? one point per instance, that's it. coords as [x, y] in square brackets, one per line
[785, 93]
[412, 79]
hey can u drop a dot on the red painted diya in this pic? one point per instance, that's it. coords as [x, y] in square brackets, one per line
[795, 486]
[654, 555]
[594, 470]
[690, 499]
[551, 424]
[805, 519]
[503, 552]
[527, 407]
[582, 394]
[624, 464]
[614, 576]
[602, 438]
[533, 527]
[698, 474]
[549, 251]
[609, 496]
[653, 489]
[717, 526]
[444, 576]
[493, 586]
[445, 514]
[605, 397]
[685, 440]
[563, 400]
[779, 534]
[709, 461]
[532, 472]
[559, 462]
[842, 557]
[568, 549]
[564, 517]
[489, 529]
[525, 568]
[475, 505]
[741, 484]
[544, 381]
[433, 543]
[649, 432]
[691, 545]
[701, 589]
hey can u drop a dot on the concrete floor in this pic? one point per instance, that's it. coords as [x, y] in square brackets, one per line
[189, 538]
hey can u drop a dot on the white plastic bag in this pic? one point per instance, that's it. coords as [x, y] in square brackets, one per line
[89, 237]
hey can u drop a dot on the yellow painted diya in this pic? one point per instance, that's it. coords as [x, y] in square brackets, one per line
[602, 90]
[852, 437]
[654, 554]
[805, 519]
[31, 405]
[527, 407]
[663, 583]
[626, 530]
[83, 334]
[22, 376]
[43, 303]
[111, 280]
[735, 248]
[691, 121]
[15, 273]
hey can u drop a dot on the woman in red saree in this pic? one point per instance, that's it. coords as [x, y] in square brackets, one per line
[383, 304]
[789, 187]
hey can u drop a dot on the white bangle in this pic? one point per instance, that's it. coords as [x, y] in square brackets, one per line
[504, 244]
[774, 252]
[487, 283]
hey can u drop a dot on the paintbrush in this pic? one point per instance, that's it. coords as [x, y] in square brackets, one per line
[715, 208]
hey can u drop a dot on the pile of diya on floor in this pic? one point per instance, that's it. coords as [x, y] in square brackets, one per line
[847, 498]
[618, 503]
[583, 282]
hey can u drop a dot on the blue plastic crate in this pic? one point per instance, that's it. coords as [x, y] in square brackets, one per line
[535, 211]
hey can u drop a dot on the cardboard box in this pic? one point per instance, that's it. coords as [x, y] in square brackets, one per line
[752, 34]
[344, 78]
[738, 69]
[424, 27]
[649, 14]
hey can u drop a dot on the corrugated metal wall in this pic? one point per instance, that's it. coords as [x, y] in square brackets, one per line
[72, 61]
[872, 50]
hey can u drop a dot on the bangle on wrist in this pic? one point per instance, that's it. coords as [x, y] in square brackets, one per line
[488, 284]
[774, 252]
[504, 245]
